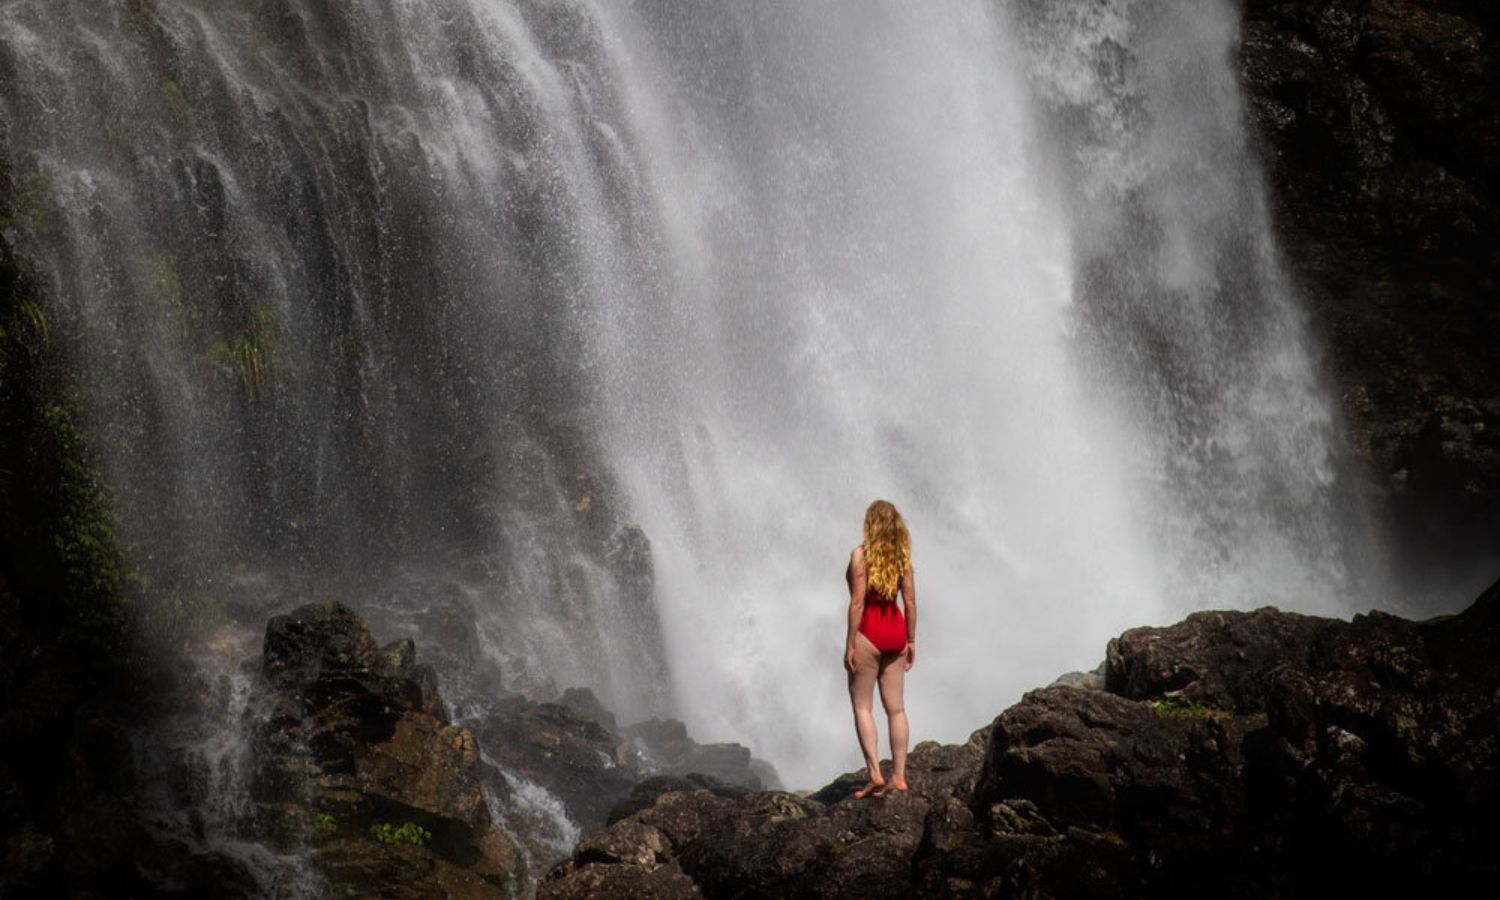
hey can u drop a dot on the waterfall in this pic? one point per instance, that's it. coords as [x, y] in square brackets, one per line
[1007, 265]
[471, 295]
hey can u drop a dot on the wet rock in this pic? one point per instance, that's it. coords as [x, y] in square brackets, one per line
[574, 750]
[428, 765]
[576, 759]
[583, 702]
[664, 746]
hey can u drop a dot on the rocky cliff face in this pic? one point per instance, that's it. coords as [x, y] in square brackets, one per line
[1231, 755]
[1380, 123]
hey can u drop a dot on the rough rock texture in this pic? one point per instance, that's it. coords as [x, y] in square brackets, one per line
[1218, 658]
[1380, 122]
[1239, 755]
[575, 750]
[357, 737]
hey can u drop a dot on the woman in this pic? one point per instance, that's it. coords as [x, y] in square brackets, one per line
[881, 645]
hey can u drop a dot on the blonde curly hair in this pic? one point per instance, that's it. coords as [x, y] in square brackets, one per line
[887, 548]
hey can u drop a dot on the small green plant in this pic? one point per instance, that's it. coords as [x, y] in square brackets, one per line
[34, 199]
[161, 275]
[325, 822]
[27, 327]
[260, 348]
[174, 97]
[1178, 705]
[407, 833]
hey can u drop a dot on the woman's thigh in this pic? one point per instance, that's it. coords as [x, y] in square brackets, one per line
[866, 670]
[891, 672]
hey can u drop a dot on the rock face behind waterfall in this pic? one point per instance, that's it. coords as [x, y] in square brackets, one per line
[1381, 125]
[1231, 755]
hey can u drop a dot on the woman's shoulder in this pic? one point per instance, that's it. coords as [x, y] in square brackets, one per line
[857, 555]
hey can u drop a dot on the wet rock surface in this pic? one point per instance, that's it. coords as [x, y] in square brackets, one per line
[1232, 755]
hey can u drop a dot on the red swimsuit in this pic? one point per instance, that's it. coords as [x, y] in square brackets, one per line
[883, 623]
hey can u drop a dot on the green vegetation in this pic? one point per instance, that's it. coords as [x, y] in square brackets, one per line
[161, 275]
[261, 348]
[175, 97]
[97, 582]
[325, 822]
[24, 330]
[1178, 705]
[34, 200]
[408, 833]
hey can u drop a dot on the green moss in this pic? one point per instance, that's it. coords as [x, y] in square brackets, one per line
[175, 97]
[325, 822]
[98, 583]
[408, 833]
[162, 277]
[33, 201]
[1180, 706]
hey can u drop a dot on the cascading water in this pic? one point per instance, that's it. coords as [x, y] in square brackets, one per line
[450, 291]
[1007, 265]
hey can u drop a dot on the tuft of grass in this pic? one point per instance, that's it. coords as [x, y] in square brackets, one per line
[408, 833]
[325, 822]
[260, 349]
[1180, 706]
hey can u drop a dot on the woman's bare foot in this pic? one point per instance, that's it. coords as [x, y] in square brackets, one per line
[875, 785]
[896, 784]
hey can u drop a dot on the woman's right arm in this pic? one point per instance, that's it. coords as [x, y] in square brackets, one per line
[909, 608]
[857, 578]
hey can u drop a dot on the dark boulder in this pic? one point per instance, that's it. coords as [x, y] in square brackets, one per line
[1217, 658]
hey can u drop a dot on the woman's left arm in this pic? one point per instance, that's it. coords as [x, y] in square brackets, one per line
[909, 607]
[858, 582]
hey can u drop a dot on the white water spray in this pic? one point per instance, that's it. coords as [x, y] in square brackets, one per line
[873, 237]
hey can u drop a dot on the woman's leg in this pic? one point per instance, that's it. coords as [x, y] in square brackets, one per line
[862, 696]
[892, 676]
